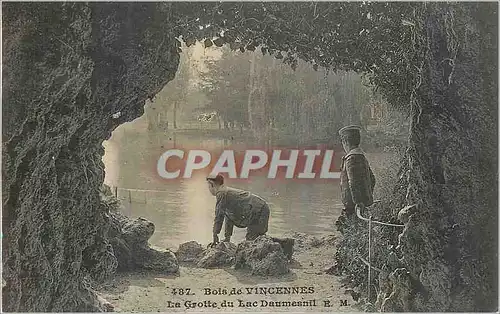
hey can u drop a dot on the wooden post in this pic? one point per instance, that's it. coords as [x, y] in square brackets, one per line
[129, 197]
[175, 114]
[116, 191]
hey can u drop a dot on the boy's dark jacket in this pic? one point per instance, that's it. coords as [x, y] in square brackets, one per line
[239, 207]
[356, 179]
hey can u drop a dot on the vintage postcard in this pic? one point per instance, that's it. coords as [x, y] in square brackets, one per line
[249, 157]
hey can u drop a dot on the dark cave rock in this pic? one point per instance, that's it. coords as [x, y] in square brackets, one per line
[67, 68]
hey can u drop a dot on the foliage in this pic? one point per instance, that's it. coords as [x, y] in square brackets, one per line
[312, 103]
[325, 34]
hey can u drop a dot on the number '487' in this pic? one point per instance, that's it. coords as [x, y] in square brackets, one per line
[181, 291]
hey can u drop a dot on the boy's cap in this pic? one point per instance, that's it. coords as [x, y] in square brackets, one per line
[215, 177]
[350, 129]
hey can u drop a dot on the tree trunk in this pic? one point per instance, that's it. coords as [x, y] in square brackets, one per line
[346, 107]
[175, 115]
[250, 93]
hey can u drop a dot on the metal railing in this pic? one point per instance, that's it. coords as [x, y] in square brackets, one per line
[368, 263]
[128, 196]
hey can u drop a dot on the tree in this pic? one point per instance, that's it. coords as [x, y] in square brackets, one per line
[273, 98]
[226, 85]
[170, 98]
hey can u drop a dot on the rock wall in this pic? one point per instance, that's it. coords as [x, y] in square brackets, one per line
[128, 244]
[452, 164]
[68, 67]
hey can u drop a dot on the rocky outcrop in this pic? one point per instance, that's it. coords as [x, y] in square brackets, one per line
[452, 167]
[448, 249]
[263, 257]
[129, 241]
[67, 69]
[395, 293]
[189, 252]
[220, 255]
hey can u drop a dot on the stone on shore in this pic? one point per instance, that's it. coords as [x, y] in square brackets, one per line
[190, 252]
[129, 240]
[263, 257]
[138, 231]
[219, 256]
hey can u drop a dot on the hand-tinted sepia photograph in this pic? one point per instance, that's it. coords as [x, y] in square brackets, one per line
[249, 157]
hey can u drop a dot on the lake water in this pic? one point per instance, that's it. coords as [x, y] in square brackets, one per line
[183, 210]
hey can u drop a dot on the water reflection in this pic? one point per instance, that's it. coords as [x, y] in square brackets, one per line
[183, 210]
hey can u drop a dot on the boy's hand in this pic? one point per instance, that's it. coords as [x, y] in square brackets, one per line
[361, 207]
[215, 241]
[227, 239]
